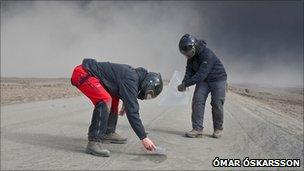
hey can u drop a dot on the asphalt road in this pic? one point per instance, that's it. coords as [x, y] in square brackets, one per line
[53, 135]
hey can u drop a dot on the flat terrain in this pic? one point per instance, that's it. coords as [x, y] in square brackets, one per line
[23, 90]
[288, 100]
[52, 134]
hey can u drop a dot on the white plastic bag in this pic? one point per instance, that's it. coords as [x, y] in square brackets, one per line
[171, 96]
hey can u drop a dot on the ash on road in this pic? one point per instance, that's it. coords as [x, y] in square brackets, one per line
[53, 135]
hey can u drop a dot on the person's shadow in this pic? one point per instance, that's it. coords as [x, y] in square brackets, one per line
[71, 144]
[77, 145]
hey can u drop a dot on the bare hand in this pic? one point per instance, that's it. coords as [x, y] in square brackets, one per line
[148, 144]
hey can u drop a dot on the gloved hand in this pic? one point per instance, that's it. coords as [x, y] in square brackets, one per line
[181, 87]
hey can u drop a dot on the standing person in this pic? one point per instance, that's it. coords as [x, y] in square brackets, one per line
[207, 72]
[104, 83]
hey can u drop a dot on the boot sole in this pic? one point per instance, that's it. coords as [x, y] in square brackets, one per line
[194, 136]
[216, 136]
[114, 142]
[96, 154]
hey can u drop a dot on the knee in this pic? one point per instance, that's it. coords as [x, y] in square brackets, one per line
[102, 107]
[218, 103]
[107, 101]
[198, 101]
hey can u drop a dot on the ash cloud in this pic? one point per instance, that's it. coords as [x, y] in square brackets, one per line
[258, 42]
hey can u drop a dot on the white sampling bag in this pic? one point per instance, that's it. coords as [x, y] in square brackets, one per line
[160, 150]
[171, 96]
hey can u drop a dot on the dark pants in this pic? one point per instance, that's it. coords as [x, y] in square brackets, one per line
[201, 92]
[105, 113]
[102, 122]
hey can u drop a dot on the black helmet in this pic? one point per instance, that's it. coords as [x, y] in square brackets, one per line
[188, 45]
[151, 86]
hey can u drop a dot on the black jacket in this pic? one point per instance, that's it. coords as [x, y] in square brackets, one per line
[204, 66]
[122, 81]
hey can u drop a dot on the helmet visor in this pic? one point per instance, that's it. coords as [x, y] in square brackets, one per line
[188, 51]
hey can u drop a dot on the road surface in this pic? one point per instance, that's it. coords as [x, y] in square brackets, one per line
[53, 135]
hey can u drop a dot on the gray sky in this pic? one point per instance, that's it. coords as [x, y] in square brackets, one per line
[258, 42]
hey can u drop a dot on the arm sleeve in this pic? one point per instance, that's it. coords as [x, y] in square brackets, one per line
[128, 92]
[189, 72]
[203, 71]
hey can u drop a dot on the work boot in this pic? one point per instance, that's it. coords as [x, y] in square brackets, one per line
[217, 133]
[194, 134]
[114, 138]
[96, 149]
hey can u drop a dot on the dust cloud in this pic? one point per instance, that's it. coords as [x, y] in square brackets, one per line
[48, 38]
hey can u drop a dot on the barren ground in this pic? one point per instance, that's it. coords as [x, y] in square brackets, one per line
[43, 126]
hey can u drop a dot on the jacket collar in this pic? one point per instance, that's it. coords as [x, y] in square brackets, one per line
[141, 72]
[201, 46]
